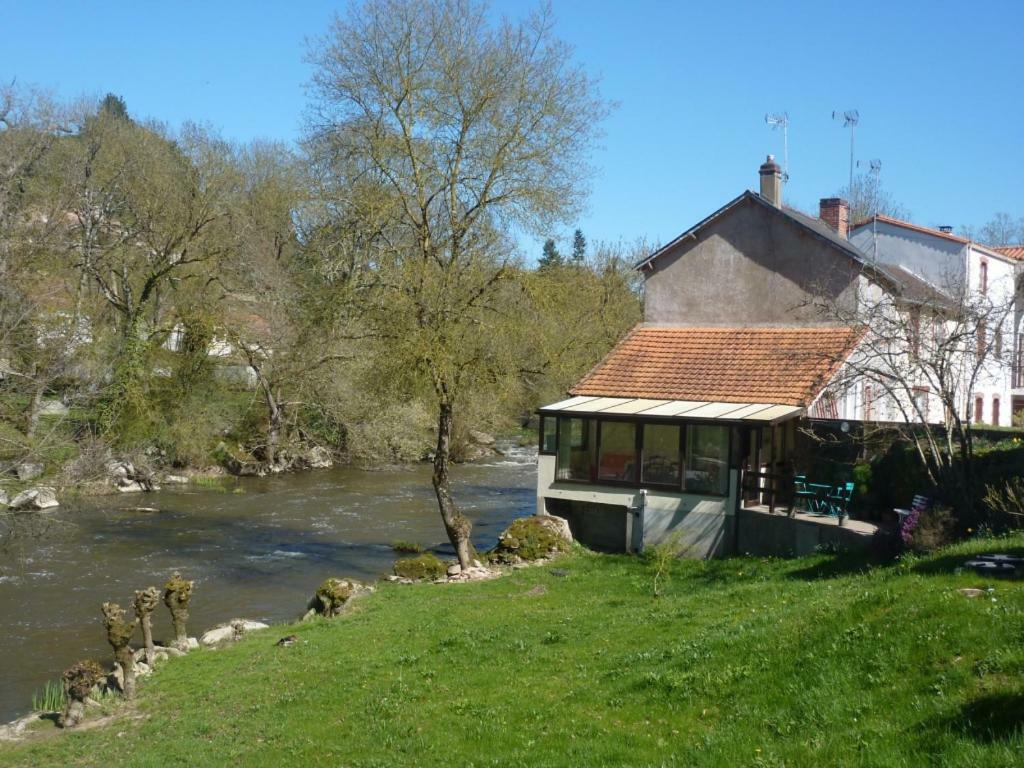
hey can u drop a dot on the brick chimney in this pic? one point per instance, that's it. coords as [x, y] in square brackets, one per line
[835, 212]
[771, 181]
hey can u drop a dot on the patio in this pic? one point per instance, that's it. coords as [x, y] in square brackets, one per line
[787, 533]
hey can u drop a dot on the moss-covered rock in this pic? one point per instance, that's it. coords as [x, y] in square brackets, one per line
[331, 596]
[421, 568]
[531, 538]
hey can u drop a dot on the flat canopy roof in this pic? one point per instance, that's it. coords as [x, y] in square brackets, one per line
[682, 410]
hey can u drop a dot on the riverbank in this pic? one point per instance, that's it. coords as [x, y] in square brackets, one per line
[816, 661]
[257, 553]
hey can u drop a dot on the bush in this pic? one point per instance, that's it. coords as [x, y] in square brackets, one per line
[1005, 504]
[927, 531]
[407, 547]
[425, 567]
[528, 538]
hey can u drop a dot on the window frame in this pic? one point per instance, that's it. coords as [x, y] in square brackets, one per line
[637, 480]
[542, 431]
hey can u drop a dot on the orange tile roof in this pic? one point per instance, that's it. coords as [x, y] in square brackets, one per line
[784, 366]
[1013, 251]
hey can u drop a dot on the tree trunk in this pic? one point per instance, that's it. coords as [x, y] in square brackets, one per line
[146, 601]
[126, 659]
[73, 712]
[456, 524]
[179, 616]
[36, 407]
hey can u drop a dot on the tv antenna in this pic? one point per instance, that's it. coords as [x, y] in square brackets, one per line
[850, 119]
[777, 120]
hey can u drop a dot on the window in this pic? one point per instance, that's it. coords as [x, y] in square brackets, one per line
[979, 409]
[982, 337]
[997, 343]
[617, 460]
[576, 440]
[983, 277]
[548, 434]
[869, 402]
[995, 411]
[661, 452]
[707, 460]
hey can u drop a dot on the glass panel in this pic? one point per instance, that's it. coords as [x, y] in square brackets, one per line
[707, 459]
[661, 454]
[576, 438]
[618, 451]
[547, 434]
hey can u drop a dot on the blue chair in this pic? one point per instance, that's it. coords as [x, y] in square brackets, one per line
[801, 490]
[838, 501]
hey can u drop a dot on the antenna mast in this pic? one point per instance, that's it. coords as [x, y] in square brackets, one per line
[781, 120]
[850, 119]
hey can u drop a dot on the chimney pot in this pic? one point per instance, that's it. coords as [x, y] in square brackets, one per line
[835, 212]
[771, 181]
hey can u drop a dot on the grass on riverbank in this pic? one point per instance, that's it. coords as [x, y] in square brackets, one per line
[816, 661]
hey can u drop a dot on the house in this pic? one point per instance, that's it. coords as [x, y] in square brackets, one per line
[954, 266]
[694, 417]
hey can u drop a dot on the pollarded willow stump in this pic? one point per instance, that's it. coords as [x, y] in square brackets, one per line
[177, 594]
[119, 635]
[79, 680]
[146, 601]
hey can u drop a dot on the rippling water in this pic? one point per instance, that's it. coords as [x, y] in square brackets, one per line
[257, 554]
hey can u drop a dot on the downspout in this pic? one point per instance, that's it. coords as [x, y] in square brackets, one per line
[638, 511]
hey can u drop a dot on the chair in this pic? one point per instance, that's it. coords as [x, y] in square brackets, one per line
[802, 491]
[838, 500]
[919, 504]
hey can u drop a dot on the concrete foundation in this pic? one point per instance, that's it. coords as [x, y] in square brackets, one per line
[779, 535]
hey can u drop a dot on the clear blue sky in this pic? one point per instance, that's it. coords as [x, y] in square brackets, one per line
[938, 86]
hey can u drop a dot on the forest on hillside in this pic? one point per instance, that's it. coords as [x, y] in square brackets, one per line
[184, 301]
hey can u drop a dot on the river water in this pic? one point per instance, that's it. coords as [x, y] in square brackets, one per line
[257, 552]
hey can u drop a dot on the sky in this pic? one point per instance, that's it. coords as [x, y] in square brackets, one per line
[938, 87]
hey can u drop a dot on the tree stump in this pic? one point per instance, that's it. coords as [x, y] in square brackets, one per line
[146, 601]
[177, 594]
[79, 680]
[119, 634]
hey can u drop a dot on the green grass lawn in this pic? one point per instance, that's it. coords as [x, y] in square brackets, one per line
[820, 661]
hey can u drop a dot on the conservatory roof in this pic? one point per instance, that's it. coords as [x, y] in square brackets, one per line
[683, 410]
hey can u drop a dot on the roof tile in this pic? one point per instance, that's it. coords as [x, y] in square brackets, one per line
[781, 365]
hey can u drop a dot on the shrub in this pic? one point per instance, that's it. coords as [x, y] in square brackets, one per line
[407, 547]
[528, 538]
[421, 568]
[1006, 504]
[927, 531]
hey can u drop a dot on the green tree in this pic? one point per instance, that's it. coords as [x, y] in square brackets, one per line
[550, 257]
[460, 131]
[579, 246]
[144, 211]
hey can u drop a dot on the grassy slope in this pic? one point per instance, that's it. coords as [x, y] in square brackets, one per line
[742, 662]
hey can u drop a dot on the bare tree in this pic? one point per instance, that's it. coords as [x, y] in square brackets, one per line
[868, 197]
[458, 132]
[922, 355]
[1002, 229]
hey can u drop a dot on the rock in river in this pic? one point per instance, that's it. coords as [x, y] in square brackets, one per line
[35, 498]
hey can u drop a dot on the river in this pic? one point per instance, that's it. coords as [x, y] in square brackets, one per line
[257, 550]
